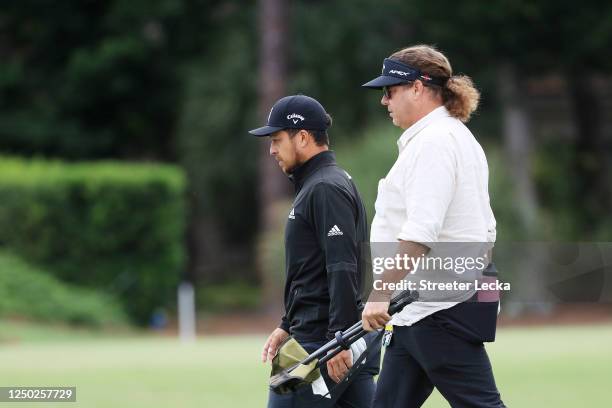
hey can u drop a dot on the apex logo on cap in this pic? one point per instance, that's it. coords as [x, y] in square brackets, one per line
[402, 73]
[295, 118]
[270, 114]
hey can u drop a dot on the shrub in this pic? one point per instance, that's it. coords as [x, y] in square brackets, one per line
[29, 292]
[116, 227]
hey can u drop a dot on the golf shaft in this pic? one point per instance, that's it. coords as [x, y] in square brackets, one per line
[338, 349]
[356, 331]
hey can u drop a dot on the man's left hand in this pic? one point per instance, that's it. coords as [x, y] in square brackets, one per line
[338, 366]
[375, 315]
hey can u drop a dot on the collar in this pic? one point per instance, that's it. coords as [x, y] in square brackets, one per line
[438, 113]
[301, 173]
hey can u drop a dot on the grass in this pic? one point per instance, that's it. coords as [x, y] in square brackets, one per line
[25, 332]
[556, 366]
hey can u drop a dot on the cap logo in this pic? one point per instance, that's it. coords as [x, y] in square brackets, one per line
[402, 73]
[383, 69]
[295, 118]
[270, 114]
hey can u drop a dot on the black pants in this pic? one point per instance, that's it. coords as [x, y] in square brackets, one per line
[426, 355]
[359, 393]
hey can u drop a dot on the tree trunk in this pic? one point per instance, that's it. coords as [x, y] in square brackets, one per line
[274, 188]
[518, 153]
[518, 147]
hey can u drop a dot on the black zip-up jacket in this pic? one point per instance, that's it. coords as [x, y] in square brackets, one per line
[323, 239]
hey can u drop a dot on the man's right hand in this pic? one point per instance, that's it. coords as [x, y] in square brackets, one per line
[271, 346]
[375, 315]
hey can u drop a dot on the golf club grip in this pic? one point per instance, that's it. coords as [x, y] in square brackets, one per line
[401, 301]
[356, 331]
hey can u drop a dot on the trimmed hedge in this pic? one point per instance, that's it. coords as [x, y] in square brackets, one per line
[28, 292]
[113, 226]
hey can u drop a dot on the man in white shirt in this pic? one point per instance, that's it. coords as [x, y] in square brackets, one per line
[436, 192]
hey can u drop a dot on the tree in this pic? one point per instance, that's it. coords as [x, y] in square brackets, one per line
[273, 185]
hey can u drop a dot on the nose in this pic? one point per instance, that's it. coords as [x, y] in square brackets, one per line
[273, 151]
[384, 100]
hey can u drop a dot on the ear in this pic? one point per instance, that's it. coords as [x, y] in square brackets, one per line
[418, 88]
[304, 138]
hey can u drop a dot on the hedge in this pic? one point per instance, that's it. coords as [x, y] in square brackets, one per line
[31, 293]
[112, 226]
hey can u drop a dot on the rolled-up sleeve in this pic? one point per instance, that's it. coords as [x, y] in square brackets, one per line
[492, 224]
[428, 188]
[491, 229]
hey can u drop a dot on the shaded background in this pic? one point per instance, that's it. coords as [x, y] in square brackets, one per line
[125, 166]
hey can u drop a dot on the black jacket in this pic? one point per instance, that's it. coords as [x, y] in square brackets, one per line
[323, 240]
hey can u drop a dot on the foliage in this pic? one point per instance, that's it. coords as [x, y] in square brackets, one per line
[176, 80]
[115, 227]
[219, 156]
[95, 79]
[376, 147]
[29, 292]
[229, 296]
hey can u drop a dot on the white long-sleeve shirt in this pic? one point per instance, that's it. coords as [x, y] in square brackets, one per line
[437, 191]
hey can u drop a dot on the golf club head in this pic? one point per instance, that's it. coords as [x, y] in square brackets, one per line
[289, 370]
[290, 379]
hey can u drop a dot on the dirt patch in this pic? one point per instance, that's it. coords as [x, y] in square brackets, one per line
[569, 315]
[262, 323]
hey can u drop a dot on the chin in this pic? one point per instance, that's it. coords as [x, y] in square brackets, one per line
[400, 125]
[289, 170]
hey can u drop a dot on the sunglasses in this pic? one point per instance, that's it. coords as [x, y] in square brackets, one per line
[386, 92]
[387, 89]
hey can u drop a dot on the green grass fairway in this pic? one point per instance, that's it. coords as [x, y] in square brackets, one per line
[535, 367]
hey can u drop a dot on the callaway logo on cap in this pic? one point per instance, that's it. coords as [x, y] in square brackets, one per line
[294, 112]
[295, 118]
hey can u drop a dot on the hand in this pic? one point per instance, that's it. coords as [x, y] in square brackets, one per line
[271, 346]
[338, 366]
[375, 315]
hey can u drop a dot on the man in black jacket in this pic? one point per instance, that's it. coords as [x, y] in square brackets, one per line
[325, 229]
